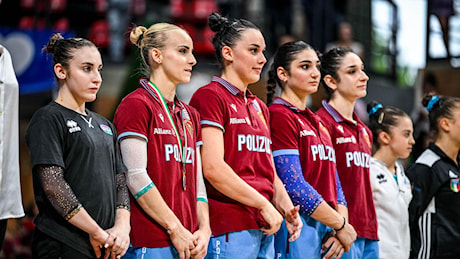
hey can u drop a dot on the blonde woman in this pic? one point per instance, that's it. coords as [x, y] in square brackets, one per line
[159, 139]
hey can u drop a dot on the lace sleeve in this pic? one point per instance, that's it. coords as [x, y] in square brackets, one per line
[58, 191]
[122, 192]
[301, 192]
[340, 196]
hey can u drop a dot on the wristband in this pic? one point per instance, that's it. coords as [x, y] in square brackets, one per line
[344, 222]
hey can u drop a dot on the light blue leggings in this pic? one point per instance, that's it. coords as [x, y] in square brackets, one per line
[308, 245]
[248, 244]
[151, 253]
[363, 248]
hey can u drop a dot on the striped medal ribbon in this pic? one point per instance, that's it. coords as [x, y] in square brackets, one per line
[153, 90]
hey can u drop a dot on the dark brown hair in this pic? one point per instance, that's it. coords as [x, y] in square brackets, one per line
[64, 50]
[382, 118]
[284, 56]
[228, 32]
[439, 107]
[330, 64]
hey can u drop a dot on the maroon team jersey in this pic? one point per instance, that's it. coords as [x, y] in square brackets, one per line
[141, 115]
[353, 148]
[300, 132]
[247, 150]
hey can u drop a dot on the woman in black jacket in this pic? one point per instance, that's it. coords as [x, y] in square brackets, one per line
[435, 208]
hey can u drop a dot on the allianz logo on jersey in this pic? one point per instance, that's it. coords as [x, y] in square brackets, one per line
[234, 121]
[307, 132]
[344, 140]
[73, 126]
[161, 131]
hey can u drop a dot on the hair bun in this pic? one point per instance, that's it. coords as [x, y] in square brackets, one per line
[217, 22]
[136, 35]
[50, 47]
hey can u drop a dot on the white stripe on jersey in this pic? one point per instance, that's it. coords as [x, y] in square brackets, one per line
[211, 123]
[424, 235]
[424, 225]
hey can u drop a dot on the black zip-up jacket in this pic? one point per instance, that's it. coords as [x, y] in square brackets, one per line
[434, 212]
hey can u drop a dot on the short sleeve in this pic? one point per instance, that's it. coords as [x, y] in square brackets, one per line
[132, 118]
[284, 134]
[120, 166]
[210, 107]
[196, 122]
[45, 140]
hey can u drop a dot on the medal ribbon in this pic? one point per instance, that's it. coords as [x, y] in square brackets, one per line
[153, 90]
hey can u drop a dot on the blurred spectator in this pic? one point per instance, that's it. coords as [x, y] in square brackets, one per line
[10, 186]
[157, 11]
[340, 7]
[345, 39]
[279, 21]
[231, 8]
[18, 236]
[443, 10]
[285, 38]
[118, 16]
[320, 20]
[82, 14]
[420, 116]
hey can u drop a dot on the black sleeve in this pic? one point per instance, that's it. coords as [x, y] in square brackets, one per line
[45, 139]
[419, 176]
[425, 184]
